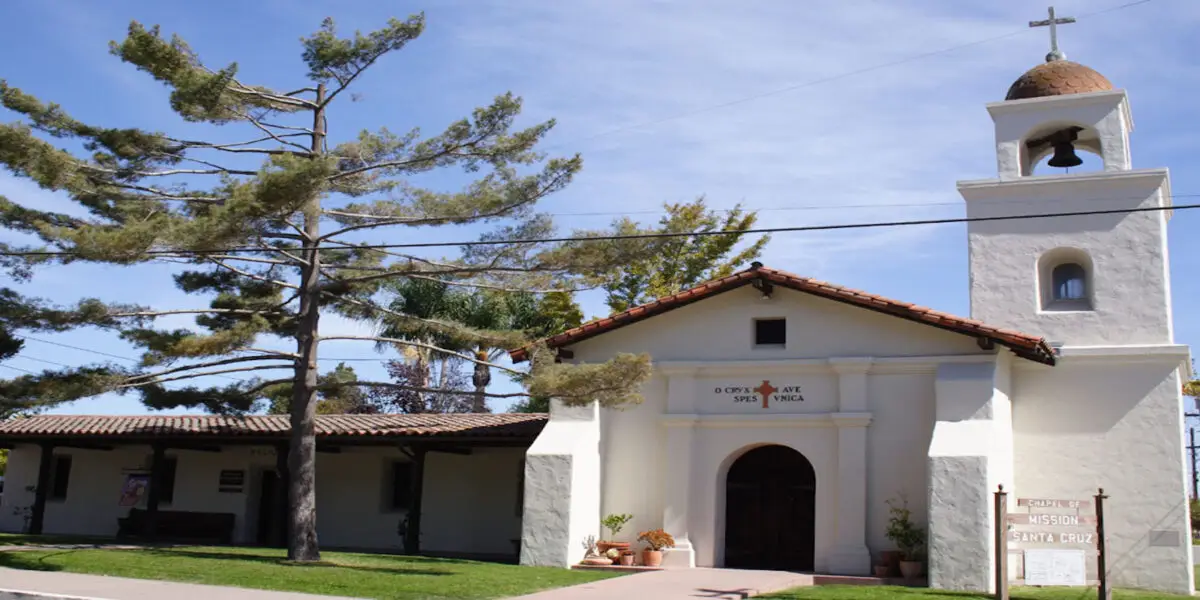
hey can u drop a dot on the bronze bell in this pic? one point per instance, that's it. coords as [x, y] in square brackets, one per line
[1064, 155]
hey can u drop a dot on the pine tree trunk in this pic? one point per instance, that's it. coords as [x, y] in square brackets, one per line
[302, 455]
[481, 378]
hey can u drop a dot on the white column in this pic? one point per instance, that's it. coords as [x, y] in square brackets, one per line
[680, 450]
[850, 554]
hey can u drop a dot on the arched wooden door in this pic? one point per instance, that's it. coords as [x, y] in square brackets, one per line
[770, 510]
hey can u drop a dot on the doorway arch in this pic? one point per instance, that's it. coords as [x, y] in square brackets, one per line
[770, 510]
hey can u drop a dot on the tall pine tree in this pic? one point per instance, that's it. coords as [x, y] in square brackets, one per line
[272, 246]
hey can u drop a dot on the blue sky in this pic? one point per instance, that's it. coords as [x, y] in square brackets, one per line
[848, 107]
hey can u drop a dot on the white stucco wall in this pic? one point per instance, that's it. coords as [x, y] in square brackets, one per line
[562, 488]
[664, 461]
[720, 329]
[1130, 290]
[351, 492]
[1112, 422]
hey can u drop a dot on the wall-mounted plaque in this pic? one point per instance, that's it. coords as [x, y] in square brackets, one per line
[232, 481]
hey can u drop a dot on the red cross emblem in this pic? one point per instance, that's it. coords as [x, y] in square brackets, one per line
[766, 390]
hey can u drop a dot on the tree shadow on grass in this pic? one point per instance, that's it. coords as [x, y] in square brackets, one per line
[278, 561]
[23, 561]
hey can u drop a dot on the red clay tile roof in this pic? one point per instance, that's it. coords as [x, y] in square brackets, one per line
[275, 426]
[1027, 346]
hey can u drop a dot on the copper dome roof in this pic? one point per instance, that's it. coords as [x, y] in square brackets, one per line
[1057, 78]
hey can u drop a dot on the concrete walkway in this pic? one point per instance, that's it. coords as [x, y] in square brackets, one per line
[680, 584]
[15, 583]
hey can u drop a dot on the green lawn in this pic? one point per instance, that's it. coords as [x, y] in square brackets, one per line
[401, 577]
[341, 574]
[841, 592]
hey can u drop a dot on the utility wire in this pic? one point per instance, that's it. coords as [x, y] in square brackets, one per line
[827, 79]
[82, 349]
[18, 369]
[646, 236]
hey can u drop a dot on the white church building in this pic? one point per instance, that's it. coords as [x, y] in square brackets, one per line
[784, 412]
[782, 416]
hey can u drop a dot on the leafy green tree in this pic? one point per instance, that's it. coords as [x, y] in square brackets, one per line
[271, 231]
[337, 394]
[3, 462]
[674, 264]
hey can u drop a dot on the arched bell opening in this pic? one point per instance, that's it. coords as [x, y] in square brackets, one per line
[1057, 148]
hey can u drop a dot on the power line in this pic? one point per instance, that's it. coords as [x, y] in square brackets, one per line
[81, 349]
[18, 369]
[806, 207]
[42, 360]
[646, 236]
[128, 358]
[827, 79]
[62, 345]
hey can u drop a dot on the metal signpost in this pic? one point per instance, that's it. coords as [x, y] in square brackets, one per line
[1053, 539]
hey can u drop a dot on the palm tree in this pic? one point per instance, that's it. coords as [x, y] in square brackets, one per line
[533, 315]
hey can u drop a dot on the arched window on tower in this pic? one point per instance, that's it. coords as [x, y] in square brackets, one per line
[1065, 279]
[1070, 282]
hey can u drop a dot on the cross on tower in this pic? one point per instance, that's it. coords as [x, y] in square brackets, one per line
[1053, 23]
[766, 389]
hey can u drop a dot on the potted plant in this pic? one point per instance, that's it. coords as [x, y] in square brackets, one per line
[626, 558]
[656, 540]
[614, 523]
[592, 556]
[909, 539]
[881, 571]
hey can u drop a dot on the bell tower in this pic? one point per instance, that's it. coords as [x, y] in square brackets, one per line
[1099, 274]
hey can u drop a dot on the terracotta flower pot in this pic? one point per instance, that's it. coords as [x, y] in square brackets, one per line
[910, 569]
[597, 561]
[652, 558]
[882, 571]
[627, 559]
[603, 547]
[891, 558]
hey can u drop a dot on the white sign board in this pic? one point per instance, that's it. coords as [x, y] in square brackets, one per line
[1055, 567]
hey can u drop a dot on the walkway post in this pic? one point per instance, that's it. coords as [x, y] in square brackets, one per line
[1102, 558]
[1001, 532]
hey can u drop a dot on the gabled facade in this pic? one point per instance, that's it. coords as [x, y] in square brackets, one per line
[785, 413]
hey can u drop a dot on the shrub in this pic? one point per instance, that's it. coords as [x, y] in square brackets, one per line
[657, 539]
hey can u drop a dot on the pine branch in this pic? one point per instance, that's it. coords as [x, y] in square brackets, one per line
[203, 365]
[442, 326]
[263, 127]
[267, 261]
[454, 150]
[281, 99]
[429, 390]
[201, 311]
[499, 288]
[295, 260]
[279, 353]
[167, 173]
[253, 276]
[163, 194]
[204, 374]
[415, 344]
[302, 91]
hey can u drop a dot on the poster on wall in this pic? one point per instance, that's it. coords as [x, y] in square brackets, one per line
[135, 489]
[1055, 566]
